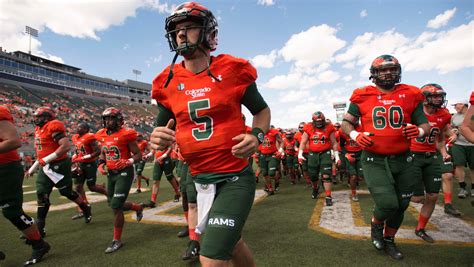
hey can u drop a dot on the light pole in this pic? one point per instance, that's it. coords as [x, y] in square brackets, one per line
[340, 108]
[31, 32]
[136, 72]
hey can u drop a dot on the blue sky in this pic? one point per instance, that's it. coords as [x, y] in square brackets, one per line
[308, 54]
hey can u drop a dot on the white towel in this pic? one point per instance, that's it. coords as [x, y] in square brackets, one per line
[53, 176]
[205, 198]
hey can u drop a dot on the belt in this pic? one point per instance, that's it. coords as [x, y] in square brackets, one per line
[424, 154]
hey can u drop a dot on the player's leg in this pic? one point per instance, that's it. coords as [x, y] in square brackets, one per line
[326, 172]
[459, 154]
[193, 248]
[168, 167]
[313, 171]
[79, 179]
[90, 172]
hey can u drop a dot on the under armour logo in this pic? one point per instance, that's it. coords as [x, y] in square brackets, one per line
[401, 96]
[370, 159]
[219, 78]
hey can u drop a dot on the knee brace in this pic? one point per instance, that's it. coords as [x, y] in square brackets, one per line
[43, 201]
[272, 172]
[22, 221]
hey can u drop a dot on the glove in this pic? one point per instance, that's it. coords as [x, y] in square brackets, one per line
[42, 162]
[350, 158]
[300, 157]
[76, 158]
[102, 169]
[123, 163]
[364, 141]
[410, 131]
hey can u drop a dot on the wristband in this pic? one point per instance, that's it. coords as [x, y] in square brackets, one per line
[257, 132]
[280, 150]
[33, 167]
[50, 157]
[88, 156]
[300, 154]
[353, 134]
[131, 160]
[336, 156]
[422, 132]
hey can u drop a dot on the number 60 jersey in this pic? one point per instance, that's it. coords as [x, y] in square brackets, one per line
[208, 112]
[384, 114]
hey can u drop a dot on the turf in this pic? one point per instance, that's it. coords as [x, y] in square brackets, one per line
[277, 231]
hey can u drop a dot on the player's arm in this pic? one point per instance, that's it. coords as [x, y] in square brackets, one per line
[135, 150]
[333, 139]
[303, 144]
[351, 118]
[450, 134]
[419, 119]
[467, 126]
[441, 144]
[163, 134]
[9, 136]
[248, 143]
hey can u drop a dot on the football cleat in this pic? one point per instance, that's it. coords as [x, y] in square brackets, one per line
[192, 252]
[116, 245]
[138, 191]
[40, 248]
[147, 181]
[277, 188]
[315, 193]
[140, 213]
[87, 213]
[183, 233]
[391, 249]
[2, 256]
[355, 198]
[472, 192]
[149, 204]
[462, 193]
[423, 235]
[376, 234]
[449, 209]
[328, 201]
[270, 193]
[77, 216]
[176, 197]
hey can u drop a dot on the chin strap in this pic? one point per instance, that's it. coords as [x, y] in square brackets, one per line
[170, 74]
[209, 73]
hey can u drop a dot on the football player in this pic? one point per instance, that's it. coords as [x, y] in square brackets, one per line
[467, 127]
[140, 165]
[11, 191]
[85, 163]
[389, 113]
[304, 163]
[270, 155]
[119, 152]
[52, 146]
[426, 159]
[204, 95]
[291, 155]
[353, 161]
[321, 138]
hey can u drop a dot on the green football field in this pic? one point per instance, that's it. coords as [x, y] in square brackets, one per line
[287, 229]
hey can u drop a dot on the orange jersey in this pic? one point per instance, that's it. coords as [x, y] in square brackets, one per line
[208, 112]
[290, 146]
[142, 145]
[438, 121]
[383, 114]
[298, 136]
[248, 129]
[84, 145]
[11, 155]
[350, 145]
[269, 142]
[44, 142]
[115, 146]
[471, 99]
[319, 138]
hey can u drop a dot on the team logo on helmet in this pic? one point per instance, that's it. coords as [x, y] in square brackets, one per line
[319, 120]
[192, 11]
[43, 115]
[434, 94]
[388, 78]
[116, 115]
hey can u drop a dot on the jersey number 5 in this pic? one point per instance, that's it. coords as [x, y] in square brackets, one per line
[205, 124]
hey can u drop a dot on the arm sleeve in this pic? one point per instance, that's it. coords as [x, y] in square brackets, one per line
[354, 110]
[164, 115]
[418, 116]
[253, 100]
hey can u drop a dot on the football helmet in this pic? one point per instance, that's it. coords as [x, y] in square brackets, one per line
[82, 128]
[389, 78]
[289, 134]
[337, 125]
[430, 91]
[319, 120]
[43, 115]
[301, 126]
[192, 11]
[117, 116]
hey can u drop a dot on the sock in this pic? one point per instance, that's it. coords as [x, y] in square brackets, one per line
[389, 232]
[117, 233]
[422, 221]
[35, 235]
[193, 235]
[135, 207]
[139, 183]
[462, 185]
[315, 185]
[328, 193]
[353, 192]
[153, 197]
[448, 197]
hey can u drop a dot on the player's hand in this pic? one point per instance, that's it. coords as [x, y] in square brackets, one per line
[410, 131]
[364, 141]
[452, 139]
[446, 158]
[246, 146]
[338, 164]
[27, 175]
[102, 169]
[350, 157]
[123, 163]
[163, 137]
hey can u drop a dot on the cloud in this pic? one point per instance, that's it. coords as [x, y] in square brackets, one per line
[442, 19]
[294, 96]
[364, 13]
[74, 18]
[265, 61]
[266, 2]
[153, 60]
[347, 78]
[311, 47]
[126, 47]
